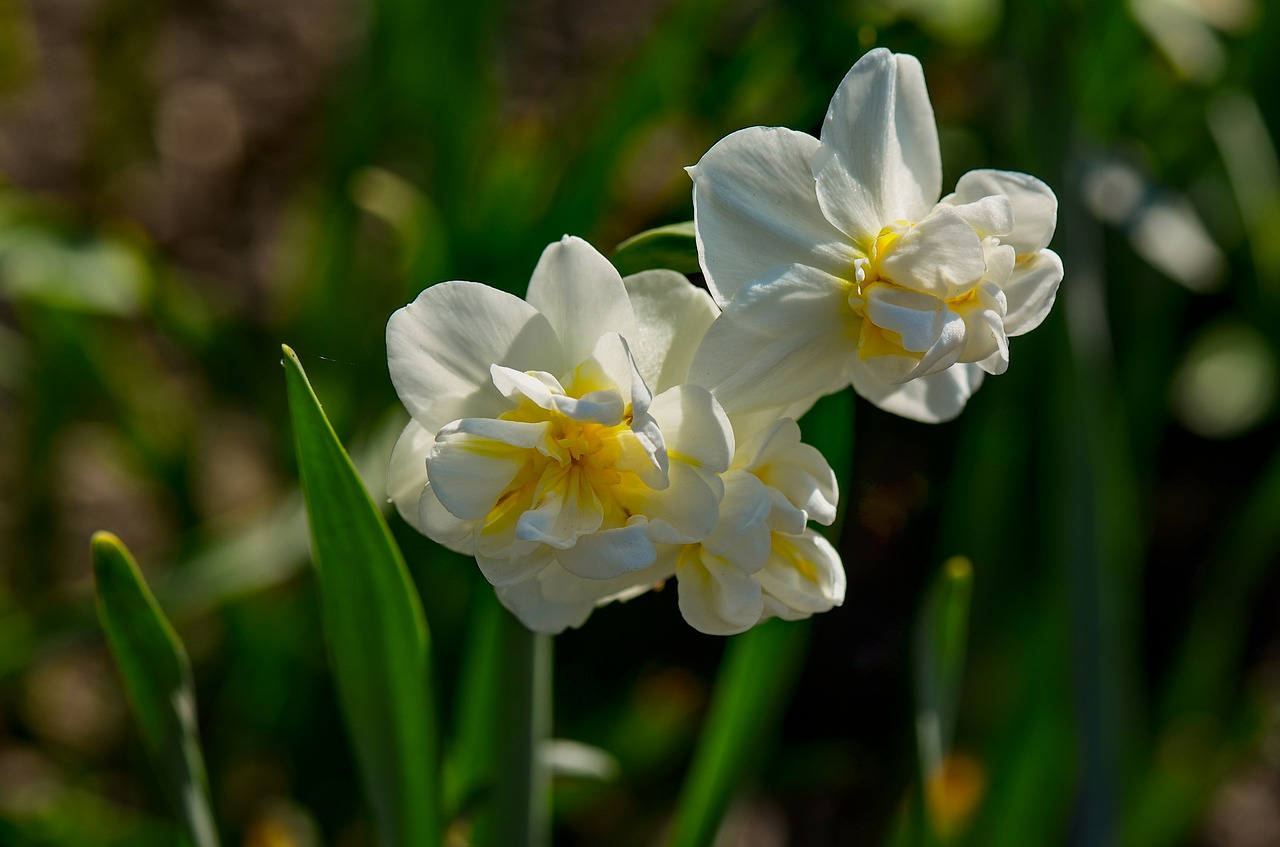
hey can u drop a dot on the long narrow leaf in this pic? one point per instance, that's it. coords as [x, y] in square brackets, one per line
[157, 677]
[940, 645]
[754, 684]
[377, 634]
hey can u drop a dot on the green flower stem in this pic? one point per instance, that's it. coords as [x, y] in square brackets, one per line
[523, 788]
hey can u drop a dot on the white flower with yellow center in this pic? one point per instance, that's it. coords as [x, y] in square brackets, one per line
[763, 560]
[536, 444]
[837, 264]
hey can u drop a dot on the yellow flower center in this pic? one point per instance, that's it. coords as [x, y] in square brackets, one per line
[574, 457]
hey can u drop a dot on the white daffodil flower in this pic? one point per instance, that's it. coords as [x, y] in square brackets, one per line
[537, 445]
[837, 264]
[763, 561]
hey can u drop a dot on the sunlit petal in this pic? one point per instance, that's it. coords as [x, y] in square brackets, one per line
[879, 160]
[441, 346]
[581, 295]
[672, 315]
[755, 207]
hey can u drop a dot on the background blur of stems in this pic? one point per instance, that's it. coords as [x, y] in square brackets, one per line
[184, 185]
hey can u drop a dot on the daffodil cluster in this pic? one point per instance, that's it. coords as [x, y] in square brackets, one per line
[605, 435]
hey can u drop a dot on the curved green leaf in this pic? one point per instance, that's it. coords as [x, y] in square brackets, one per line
[157, 678]
[377, 634]
[673, 246]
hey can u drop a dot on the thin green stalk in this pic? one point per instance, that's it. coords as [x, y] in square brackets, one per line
[523, 787]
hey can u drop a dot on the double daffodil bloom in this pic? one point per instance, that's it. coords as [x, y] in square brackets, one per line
[836, 262]
[537, 445]
[763, 560]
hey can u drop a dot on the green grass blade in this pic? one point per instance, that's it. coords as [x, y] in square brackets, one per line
[941, 635]
[672, 246]
[377, 634]
[940, 646]
[157, 677]
[754, 683]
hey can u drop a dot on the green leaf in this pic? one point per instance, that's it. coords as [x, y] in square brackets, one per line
[754, 683]
[377, 634]
[941, 638]
[157, 677]
[941, 635]
[673, 246]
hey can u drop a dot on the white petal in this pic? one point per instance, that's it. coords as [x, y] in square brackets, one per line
[990, 216]
[684, 512]
[785, 517]
[440, 348]
[525, 435]
[672, 315]
[803, 577]
[1035, 208]
[741, 536]
[612, 363]
[785, 338]
[879, 161]
[694, 426]
[945, 352]
[985, 341]
[565, 508]
[580, 292]
[941, 255]
[1000, 260]
[755, 207]
[916, 317]
[610, 553]
[443, 527]
[469, 471]
[522, 564]
[536, 387]
[931, 399]
[715, 597]
[796, 470]
[407, 473]
[556, 599]
[1031, 290]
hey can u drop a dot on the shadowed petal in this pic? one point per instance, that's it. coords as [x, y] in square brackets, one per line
[1031, 290]
[565, 508]
[715, 597]
[785, 338]
[407, 474]
[803, 577]
[556, 599]
[610, 553]
[930, 399]
[741, 536]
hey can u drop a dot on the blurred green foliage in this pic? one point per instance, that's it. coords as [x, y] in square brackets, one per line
[184, 186]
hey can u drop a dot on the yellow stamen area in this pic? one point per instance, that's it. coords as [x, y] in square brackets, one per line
[791, 554]
[574, 454]
[873, 340]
